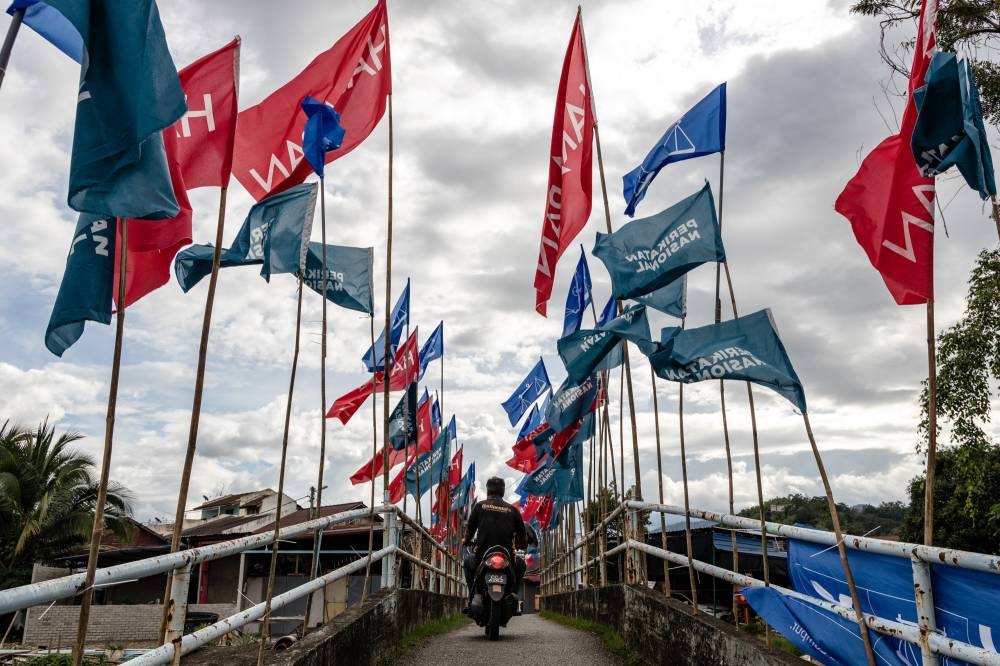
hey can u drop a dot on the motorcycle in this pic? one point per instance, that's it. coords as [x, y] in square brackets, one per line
[494, 582]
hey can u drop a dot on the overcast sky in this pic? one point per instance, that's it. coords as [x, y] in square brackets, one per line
[474, 91]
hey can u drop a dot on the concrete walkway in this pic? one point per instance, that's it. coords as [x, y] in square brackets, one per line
[528, 639]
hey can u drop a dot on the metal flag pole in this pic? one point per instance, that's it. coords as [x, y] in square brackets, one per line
[8, 42]
[266, 621]
[388, 323]
[841, 549]
[199, 387]
[97, 530]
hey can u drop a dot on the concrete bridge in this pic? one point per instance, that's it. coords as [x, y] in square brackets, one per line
[598, 577]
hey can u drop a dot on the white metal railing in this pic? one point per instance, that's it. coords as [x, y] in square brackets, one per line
[562, 573]
[444, 577]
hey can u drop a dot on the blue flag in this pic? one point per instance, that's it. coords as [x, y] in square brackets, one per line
[671, 300]
[52, 25]
[700, 131]
[433, 348]
[578, 297]
[129, 92]
[430, 465]
[374, 358]
[348, 275]
[949, 130]
[275, 236]
[527, 393]
[322, 132]
[745, 348]
[533, 421]
[569, 465]
[570, 402]
[650, 253]
[436, 414]
[609, 312]
[594, 350]
[452, 428]
[85, 292]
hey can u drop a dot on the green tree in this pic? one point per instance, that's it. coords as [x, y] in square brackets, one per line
[47, 499]
[971, 27]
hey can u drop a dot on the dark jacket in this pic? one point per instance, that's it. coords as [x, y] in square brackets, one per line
[497, 524]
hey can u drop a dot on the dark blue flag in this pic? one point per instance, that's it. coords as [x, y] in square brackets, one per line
[430, 465]
[533, 421]
[594, 350]
[700, 131]
[436, 415]
[745, 348]
[85, 292]
[570, 402]
[949, 130]
[348, 275]
[275, 236]
[650, 253]
[433, 348]
[452, 428]
[609, 312]
[322, 132]
[51, 24]
[578, 297]
[129, 92]
[403, 420]
[569, 477]
[671, 300]
[527, 393]
[374, 358]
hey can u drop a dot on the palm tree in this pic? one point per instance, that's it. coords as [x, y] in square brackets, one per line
[48, 494]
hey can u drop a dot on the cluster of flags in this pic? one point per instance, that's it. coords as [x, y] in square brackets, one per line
[145, 134]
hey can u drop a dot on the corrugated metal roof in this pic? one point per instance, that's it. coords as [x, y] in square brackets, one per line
[747, 543]
[676, 524]
[220, 525]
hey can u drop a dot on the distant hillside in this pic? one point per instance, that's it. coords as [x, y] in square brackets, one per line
[886, 518]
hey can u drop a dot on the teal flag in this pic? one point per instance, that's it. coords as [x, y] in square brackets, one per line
[671, 300]
[650, 253]
[593, 350]
[129, 92]
[570, 402]
[430, 465]
[85, 292]
[275, 236]
[348, 275]
[949, 130]
[745, 348]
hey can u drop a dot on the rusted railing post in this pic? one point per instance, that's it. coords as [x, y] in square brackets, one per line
[924, 596]
[177, 610]
[390, 537]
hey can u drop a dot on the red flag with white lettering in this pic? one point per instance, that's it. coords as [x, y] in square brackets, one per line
[404, 371]
[455, 470]
[353, 75]
[568, 198]
[205, 134]
[889, 204]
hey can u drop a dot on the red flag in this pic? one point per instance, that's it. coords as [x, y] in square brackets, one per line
[564, 437]
[373, 467]
[425, 428]
[397, 487]
[455, 470]
[205, 134]
[544, 511]
[888, 202]
[199, 153]
[530, 507]
[568, 199]
[404, 371]
[526, 465]
[353, 75]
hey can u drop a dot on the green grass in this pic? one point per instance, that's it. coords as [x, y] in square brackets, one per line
[612, 640]
[421, 633]
[778, 642]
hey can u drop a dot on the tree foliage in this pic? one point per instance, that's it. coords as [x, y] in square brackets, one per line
[47, 499]
[883, 520]
[971, 27]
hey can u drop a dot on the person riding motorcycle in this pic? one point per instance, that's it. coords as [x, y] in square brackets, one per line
[493, 522]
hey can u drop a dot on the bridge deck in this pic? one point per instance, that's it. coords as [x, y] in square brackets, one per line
[528, 639]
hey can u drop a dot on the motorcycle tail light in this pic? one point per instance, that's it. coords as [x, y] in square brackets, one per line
[497, 561]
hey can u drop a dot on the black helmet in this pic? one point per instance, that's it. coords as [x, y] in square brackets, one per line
[495, 487]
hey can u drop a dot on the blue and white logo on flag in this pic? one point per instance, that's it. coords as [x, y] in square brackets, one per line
[527, 393]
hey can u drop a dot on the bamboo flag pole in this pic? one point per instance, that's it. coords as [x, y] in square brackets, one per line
[931, 426]
[266, 622]
[687, 504]
[841, 549]
[371, 514]
[659, 477]
[199, 387]
[996, 212]
[97, 530]
[8, 42]
[388, 323]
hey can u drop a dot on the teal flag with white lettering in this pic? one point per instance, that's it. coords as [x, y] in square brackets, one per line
[85, 291]
[671, 300]
[650, 253]
[348, 275]
[594, 350]
[746, 348]
[275, 236]
[571, 401]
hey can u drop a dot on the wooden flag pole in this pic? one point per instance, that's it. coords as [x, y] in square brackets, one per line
[687, 505]
[996, 212]
[841, 549]
[371, 515]
[388, 323]
[199, 387]
[266, 621]
[8, 42]
[659, 477]
[931, 426]
[97, 530]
